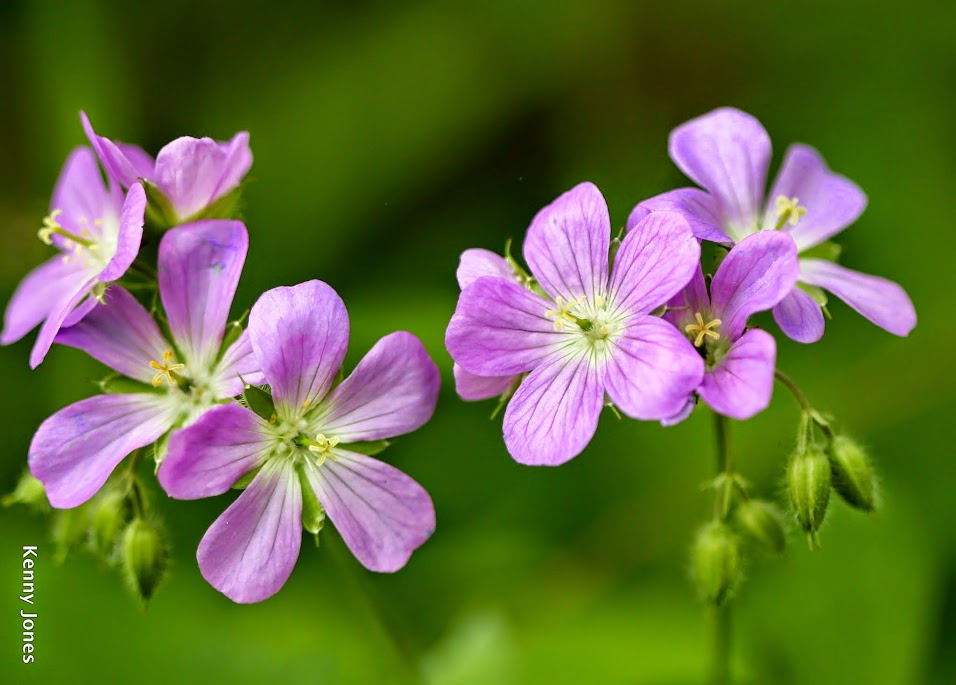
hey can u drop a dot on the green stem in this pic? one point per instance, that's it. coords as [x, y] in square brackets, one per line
[721, 618]
[804, 403]
[135, 493]
[720, 668]
[145, 269]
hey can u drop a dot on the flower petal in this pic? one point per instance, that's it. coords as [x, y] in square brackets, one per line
[727, 152]
[236, 165]
[741, 384]
[799, 316]
[652, 369]
[833, 202]
[757, 273]
[208, 457]
[299, 334]
[238, 364]
[881, 301]
[249, 552]
[476, 263]
[695, 205]
[471, 387]
[392, 391]
[82, 196]
[122, 164]
[61, 309]
[189, 171]
[567, 244]
[554, 412]
[120, 334]
[199, 269]
[692, 299]
[382, 514]
[129, 236]
[36, 295]
[657, 258]
[75, 450]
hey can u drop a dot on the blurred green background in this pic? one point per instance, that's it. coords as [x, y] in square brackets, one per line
[388, 137]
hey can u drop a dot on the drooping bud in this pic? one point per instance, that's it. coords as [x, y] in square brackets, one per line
[808, 480]
[145, 556]
[762, 522]
[112, 512]
[716, 562]
[852, 475]
[29, 491]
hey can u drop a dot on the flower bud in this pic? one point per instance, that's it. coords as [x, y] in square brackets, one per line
[70, 528]
[716, 562]
[852, 476]
[762, 522]
[808, 480]
[111, 514]
[145, 556]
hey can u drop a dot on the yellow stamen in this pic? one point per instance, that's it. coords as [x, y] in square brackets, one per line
[165, 369]
[562, 315]
[323, 447]
[703, 330]
[789, 209]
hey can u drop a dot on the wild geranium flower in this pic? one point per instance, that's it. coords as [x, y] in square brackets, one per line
[303, 455]
[97, 232]
[740, 363]
[591, 333]
[192, 173]
[727, 152]
[76, 449]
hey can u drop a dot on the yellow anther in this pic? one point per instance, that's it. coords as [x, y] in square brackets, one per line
[603, 329]
[599, 301]
[272, 419]
[789, 209]
[165, 370]
[703, 330]
[562, 315]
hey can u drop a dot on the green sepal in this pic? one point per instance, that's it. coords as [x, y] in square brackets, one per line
[160, 448]
[70, 528]
[809, 478]
[852, 474]
[504, 397]
[716, 562]
[225, 207]
[29, 491]
[113, 511]
[244, 481]
[160, 214]
[145, 555]
[368, 448]
[233, 331]
[517, 268]
[818, 295]
[121, 385]
[313, 513]
[259, 401]
[830, 251]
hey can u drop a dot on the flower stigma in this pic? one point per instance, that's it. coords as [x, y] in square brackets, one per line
[165, 370]
[702, 330]
[789, 209]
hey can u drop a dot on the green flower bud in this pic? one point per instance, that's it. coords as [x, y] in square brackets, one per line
[70, 527]
[110, 516]
[29, 491]
[716, 562]
[145, 557]
[762, 522]
[852, 476]
[808, 480]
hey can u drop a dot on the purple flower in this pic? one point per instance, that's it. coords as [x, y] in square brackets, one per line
[589, 332]
[192, 173]
[76, 449]
[753, 277]
[97, 232]
[727, 152]
[302, 459]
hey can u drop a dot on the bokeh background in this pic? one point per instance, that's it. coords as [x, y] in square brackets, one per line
[388, 137]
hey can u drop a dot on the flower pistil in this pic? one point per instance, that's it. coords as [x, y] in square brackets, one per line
[702, 330]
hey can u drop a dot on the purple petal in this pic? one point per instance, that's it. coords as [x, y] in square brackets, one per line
[500, 329]
[567, 244]
[130, 234]
[209, 456]
[832, 201]
[657, 258]
[758, 273]
[695, 205]
[82, 196]
[799, 316]
[682, 415]
[741, 384]
[693, 298]
[392, 391]
[476, 263]
[122, 167]
[237, 163]
[249, 552]
[382, 514]
[120, 334]
[881, 301]
[554, 412]
[652, 369]
[299, 334]
[238, 364]
[471, 387]
[199, 269]
[76, 449]
[727, 152]
[36, 296]
[188, 172]
[60, 310]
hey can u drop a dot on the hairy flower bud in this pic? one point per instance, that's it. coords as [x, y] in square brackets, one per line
[716, 562]
[111, 514]
[808, 480]
[852, 476]
[762, 522]
[145, 556]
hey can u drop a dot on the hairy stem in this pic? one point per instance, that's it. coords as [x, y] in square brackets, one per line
[721, 618]
[720, 667]
[804, 403]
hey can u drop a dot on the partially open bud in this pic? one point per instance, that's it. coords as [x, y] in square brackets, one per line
[762, 522]
[852, 475]
[145, 556]
[717, 564]
[111, 514]
[808, 480]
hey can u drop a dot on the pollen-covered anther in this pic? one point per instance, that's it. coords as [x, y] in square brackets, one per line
[562, 315]
[703, 330]
[165, 370]
[789, 209]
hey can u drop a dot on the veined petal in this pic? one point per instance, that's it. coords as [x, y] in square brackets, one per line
[833, 202]
[238, 364]
[119, 165]
[130, 234]
[500, 329]
[199, 269]
[392, 391]
[567, 244]
[66, 302]
[382, 514]
[189, 171]
[120, 334]
[236, 165]
[36, 296]
[799, 316]
[209, 456]
[476, 263]
[472, 388]
[299, 334]
[881, 301]
[758, 273]
[554, 412]
[76, 449]
[249, 552]
[692, 299]
[727, 152]
[652, 369]
[696, 206]
[741, 384]
[657, 258]
[81, 195]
